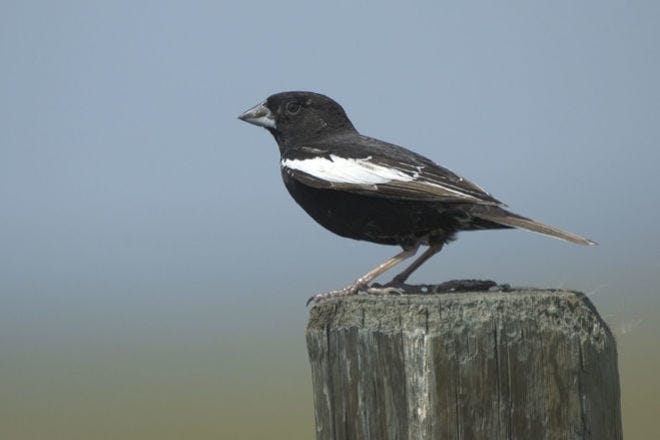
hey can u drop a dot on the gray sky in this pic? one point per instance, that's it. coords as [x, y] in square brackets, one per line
[135, 205]
[125, 174]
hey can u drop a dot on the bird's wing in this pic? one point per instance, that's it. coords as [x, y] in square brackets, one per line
[399, 174]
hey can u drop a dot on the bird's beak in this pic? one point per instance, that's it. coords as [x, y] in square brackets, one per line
[259, 115]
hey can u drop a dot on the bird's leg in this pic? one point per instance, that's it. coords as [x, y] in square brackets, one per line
[365, 279]
[431, 251]
[397, 285]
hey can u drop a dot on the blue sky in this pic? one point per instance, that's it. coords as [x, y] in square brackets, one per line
[136, 207]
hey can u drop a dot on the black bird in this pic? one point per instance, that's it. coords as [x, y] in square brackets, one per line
[366, 189]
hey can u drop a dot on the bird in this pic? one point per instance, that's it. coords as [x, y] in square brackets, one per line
[363, 188]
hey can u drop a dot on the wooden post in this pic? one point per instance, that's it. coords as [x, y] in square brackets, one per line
[530, 364]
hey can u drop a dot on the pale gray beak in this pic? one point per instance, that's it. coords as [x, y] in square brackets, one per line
[259, 115]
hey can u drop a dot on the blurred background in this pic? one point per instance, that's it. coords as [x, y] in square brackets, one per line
[153, 269]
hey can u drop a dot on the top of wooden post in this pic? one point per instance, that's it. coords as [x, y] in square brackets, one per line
[557, 310]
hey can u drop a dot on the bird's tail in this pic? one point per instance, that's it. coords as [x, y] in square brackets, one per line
[506, 218]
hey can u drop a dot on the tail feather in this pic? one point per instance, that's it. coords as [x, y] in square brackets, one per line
[507, 218]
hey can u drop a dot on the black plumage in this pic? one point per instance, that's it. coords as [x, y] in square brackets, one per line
[366, 189]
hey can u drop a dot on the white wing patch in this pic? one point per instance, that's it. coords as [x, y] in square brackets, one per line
[361, 172]
[342, 170]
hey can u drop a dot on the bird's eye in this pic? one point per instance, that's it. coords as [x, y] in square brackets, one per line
[292, 107]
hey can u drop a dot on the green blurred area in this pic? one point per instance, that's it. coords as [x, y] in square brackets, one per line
[234, 388]
[639, 363]
[243, 390]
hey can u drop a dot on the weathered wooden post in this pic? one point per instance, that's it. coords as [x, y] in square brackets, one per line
[529, 364]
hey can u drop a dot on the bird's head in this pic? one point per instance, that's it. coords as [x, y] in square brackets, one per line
[298, 117]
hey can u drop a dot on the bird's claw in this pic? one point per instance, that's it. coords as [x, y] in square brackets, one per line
[353, 289]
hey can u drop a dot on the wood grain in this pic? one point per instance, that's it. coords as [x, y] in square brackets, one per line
[525, 364]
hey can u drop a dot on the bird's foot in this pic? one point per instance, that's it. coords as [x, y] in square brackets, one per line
[447, 287]
[392, 288]
[399, 279]
[384, 290]
[353, 289]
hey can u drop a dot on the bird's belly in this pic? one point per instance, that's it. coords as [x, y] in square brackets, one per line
[375, 219]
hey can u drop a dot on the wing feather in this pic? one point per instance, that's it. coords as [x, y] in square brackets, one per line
[380, 176]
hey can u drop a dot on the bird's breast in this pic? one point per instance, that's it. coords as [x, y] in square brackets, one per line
[375, 219]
